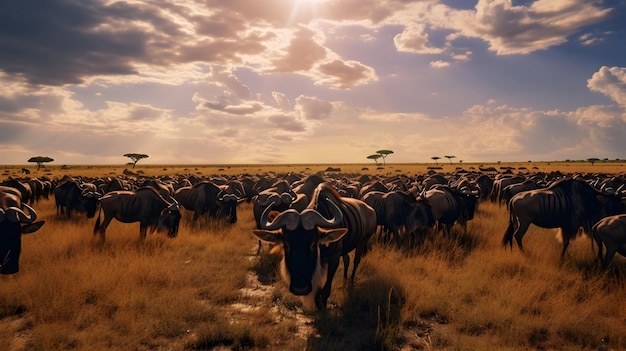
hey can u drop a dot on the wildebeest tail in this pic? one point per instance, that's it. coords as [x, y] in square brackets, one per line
[508, 235]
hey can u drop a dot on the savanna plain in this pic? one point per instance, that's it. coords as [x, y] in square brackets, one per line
[208, 289]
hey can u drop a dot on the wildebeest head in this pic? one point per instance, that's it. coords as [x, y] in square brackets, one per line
[421, 213]
[470, 200]
[89, 200]
[228, 202]
[13, 223]
[301, 236]
[170, 219]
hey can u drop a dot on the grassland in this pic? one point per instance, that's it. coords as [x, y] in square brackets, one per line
[207, 290]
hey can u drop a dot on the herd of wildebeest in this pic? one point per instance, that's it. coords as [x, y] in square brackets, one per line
[316, 220]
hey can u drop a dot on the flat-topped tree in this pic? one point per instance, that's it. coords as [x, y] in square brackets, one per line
[40, 160]
[435, 158]
[384, 154]
[374, 157]
[136, 157]
[450, 158]
[593, 160]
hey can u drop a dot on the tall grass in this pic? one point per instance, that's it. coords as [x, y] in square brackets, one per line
[198, 291]
[72, 293]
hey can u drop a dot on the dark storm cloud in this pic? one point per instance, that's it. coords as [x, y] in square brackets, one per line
[55, 42]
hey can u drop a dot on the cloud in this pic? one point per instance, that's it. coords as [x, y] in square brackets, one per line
[439, 64]
[508, 29]
[313, 108]
[414, 39]
[302, 53]
[513, 29]
[610, 81]
[341, 74]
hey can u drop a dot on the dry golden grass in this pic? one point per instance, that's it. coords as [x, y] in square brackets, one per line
[51, 170]
[195, 292]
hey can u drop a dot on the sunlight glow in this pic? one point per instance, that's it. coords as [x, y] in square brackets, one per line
[304, 9]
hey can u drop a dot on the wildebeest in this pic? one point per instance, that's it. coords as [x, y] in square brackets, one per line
[313, 241]
[206, 198]
[228, 198]
[13, 223]
[69, 197]
[610, 231]
[144, 205]
[451, 205]
[283, 190]
[510, 190]
[567, 204]
[23, 187]
[400, 213]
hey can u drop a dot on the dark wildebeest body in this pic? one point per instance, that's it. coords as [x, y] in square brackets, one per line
[512, 189]
[610, 231]
[567, 204]
[314, 240]
[200, 198]
[23, 187]
[400, 213]
[13, 223]
[206, 198]
[69, 197]
[500, 183]
[144, 205]
[451, 205]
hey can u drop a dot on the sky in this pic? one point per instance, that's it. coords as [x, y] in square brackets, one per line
[312, 81]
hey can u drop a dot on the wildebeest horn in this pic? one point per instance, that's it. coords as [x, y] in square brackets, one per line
[311, 218]
[16, 215]
[273, 199]
[288, 219]
[286, 198]
[220, 195]
[2, 215]
[174, 206]
[230, 197]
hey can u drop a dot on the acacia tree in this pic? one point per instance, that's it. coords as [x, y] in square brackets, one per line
[135, 157]
[435, 158]
[593, 160]
[374, 157]
[40, 160]
[384, 154]
[450, 158]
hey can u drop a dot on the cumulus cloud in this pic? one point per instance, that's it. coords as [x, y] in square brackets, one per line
[302, 53]
[610, 81]
[507, 28]
[345, 74]
[414, 39]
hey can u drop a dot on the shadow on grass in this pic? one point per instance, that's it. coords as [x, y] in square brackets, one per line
[369, 319]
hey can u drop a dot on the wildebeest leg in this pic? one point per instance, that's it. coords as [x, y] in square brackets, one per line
[610, 252]
[566, 234]
[346, 264]
[104, 226]
[321, 298]
[519, 234]
[358, 253]
[600, 247]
